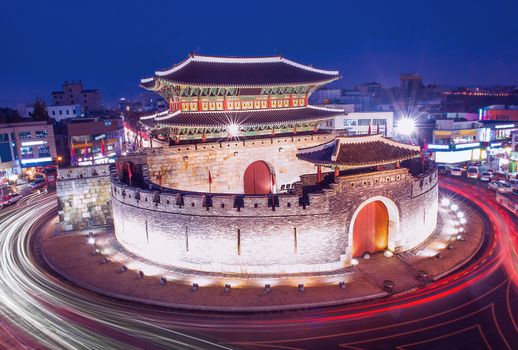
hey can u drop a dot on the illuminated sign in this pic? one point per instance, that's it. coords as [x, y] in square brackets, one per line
[36, 160]
[496, 144]
[431, 146]
[102, 136]
[504, 126]
[454, 157]
[33, 143]
[467, 145]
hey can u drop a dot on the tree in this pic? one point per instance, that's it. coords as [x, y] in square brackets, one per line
[40, 113]
[8, 115]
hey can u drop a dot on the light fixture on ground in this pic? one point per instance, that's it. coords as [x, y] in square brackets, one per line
[445, 202]
[355, 262]
[195, 287]
[163, 281]
[342, 285]
[227, 288]
[301, 287]
[123, 268]
[388, 254]
[388, 286]
[454, 207]
[267, 288]
[140, 274]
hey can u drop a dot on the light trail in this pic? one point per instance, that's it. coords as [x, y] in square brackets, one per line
[58, 316]
[54, 314]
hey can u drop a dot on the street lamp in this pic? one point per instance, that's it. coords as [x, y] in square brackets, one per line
[406, 126]
[59, 161]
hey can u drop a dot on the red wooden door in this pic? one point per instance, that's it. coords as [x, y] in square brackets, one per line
[370, 230]
[257, 178]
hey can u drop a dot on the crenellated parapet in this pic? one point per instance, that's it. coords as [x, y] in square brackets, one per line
[265, 234]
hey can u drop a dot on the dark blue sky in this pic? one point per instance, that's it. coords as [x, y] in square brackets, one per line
[110, 45]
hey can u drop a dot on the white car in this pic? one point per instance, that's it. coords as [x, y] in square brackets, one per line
[485, 176]
[493, 185]
[456, 171]
[504, 187]
[473, 172]
[500, 186]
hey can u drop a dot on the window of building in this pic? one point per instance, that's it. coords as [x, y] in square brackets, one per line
[364, 122]
[68, 112]
[42, 133]
[107, 123]
[26, 152]
[44, 151]
[60, 112]
[24, 135]
[53, 112]
[4, 137]
[349, 122]
[379, 121]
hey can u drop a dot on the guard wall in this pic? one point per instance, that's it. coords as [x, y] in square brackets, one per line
[84, 196]
[187, 231]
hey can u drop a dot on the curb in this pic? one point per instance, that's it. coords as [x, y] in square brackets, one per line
[108, 293]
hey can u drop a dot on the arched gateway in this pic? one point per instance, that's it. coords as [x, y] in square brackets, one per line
[370, 231]
[374, 226]
[257, 178]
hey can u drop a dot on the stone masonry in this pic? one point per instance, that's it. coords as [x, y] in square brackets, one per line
[188, 231]
[186, 167]
[84, 197]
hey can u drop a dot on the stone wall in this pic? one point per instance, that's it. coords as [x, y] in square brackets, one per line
[84, 196]
[246, 234]
[186, 166]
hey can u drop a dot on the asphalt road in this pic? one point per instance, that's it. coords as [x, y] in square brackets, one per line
[476, 308]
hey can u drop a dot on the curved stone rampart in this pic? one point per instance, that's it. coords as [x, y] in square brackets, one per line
[247, 234]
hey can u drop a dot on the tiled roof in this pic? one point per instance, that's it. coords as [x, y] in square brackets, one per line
[240, 72]
[359, 151]
[244, 118]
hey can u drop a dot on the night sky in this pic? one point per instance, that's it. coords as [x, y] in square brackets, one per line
[110, 45]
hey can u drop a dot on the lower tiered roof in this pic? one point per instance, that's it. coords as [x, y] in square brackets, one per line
[243, 118]
[359, 152]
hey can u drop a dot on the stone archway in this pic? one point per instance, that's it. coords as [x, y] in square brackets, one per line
[257, 178]
[374, 226]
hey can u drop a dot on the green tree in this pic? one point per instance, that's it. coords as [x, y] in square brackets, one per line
[8, 115]
[40, 112]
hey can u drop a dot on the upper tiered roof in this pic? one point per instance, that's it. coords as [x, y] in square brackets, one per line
[359, 152]
[199, 70]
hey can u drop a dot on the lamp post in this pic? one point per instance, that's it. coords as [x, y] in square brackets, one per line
[59, 161]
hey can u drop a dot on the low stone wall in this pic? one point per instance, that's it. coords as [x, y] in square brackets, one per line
[246, 234]
[84, 196]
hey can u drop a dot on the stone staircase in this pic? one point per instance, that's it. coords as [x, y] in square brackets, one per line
[379, 268]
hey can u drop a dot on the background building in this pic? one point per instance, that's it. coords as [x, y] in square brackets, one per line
[93, 140]
[73, 93]
[359, 123]
[57, 113]
[25, 146]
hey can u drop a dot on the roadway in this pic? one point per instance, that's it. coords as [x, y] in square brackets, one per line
[476, 308]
